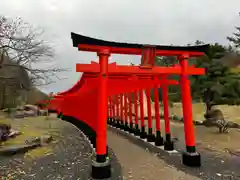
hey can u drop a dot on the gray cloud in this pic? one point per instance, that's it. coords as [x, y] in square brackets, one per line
[141, 21]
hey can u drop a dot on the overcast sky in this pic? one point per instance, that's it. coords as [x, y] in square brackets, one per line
[164, 22]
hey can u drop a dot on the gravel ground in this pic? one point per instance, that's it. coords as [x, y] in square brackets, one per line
[70, 160]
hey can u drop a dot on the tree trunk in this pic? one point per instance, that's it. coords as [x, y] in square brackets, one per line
[208, 99]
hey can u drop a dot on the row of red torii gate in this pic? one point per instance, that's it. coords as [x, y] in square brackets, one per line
[109, 93]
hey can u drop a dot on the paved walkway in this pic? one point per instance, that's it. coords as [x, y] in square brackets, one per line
[139, 164]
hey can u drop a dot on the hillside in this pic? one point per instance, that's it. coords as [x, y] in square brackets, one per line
[34, 95]
[15, 85]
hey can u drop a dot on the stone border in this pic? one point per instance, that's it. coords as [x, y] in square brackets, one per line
[99, 170]
[189, 157]
[142, 142]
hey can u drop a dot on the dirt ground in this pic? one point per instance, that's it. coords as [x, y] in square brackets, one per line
[226, 144]
[208, 138]
[231, 113]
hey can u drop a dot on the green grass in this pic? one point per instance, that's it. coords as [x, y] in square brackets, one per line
[29, 127]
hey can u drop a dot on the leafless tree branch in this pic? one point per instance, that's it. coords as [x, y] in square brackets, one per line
[22, 44]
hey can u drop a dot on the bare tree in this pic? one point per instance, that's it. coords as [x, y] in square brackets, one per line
[50, 97]
[22, 44]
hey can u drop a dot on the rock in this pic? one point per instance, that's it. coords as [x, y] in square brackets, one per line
[43, 140]
[213, 115]
[29, 113]
[5, 110]
[5, 126]
[4, 131]
[43, 112]
[19, 114]
[215, 118]
[198, 122]
[14, 133]
[11, 150]
[233, 124]
[33, 140]
[177, 118]
[30, 107]
[234, 152]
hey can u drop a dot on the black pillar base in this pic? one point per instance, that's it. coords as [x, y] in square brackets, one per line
[117, 125]
[113, 122]
[101, 170]
[63, 117]
[121, 125]
[143, 134]
[192, 159]
[150, 136]
[126, 128]
[137, 130]
[159, 140]
[131, 129]
[168, 144]
[110, 121]
[59, 115]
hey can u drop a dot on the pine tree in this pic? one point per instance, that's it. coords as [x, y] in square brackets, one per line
[235, 39]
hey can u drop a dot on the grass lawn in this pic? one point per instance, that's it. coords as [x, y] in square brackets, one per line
[32, 127]
[231, 113]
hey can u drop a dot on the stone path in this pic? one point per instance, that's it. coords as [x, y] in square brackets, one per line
[139, 164]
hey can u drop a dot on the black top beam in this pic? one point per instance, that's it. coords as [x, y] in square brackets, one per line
[80, 39]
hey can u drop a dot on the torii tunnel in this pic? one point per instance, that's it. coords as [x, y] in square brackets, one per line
[108, 93]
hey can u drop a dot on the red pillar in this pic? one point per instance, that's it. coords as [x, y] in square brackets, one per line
[113, 110]
[187, 110]
[125, 112]
[110, 110]
[168, 144]
[121, 109]
[101, 144]
[136, 130]
[117, 111]
[159, 139]
[130, 112]
[190, 157]
[143, 134]
[150, 136]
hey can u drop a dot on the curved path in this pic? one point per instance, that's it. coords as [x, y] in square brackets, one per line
[139, 164]
[130, 150]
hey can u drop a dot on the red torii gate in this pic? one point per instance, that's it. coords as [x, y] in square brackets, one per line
[102, 86]
[102, 80]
